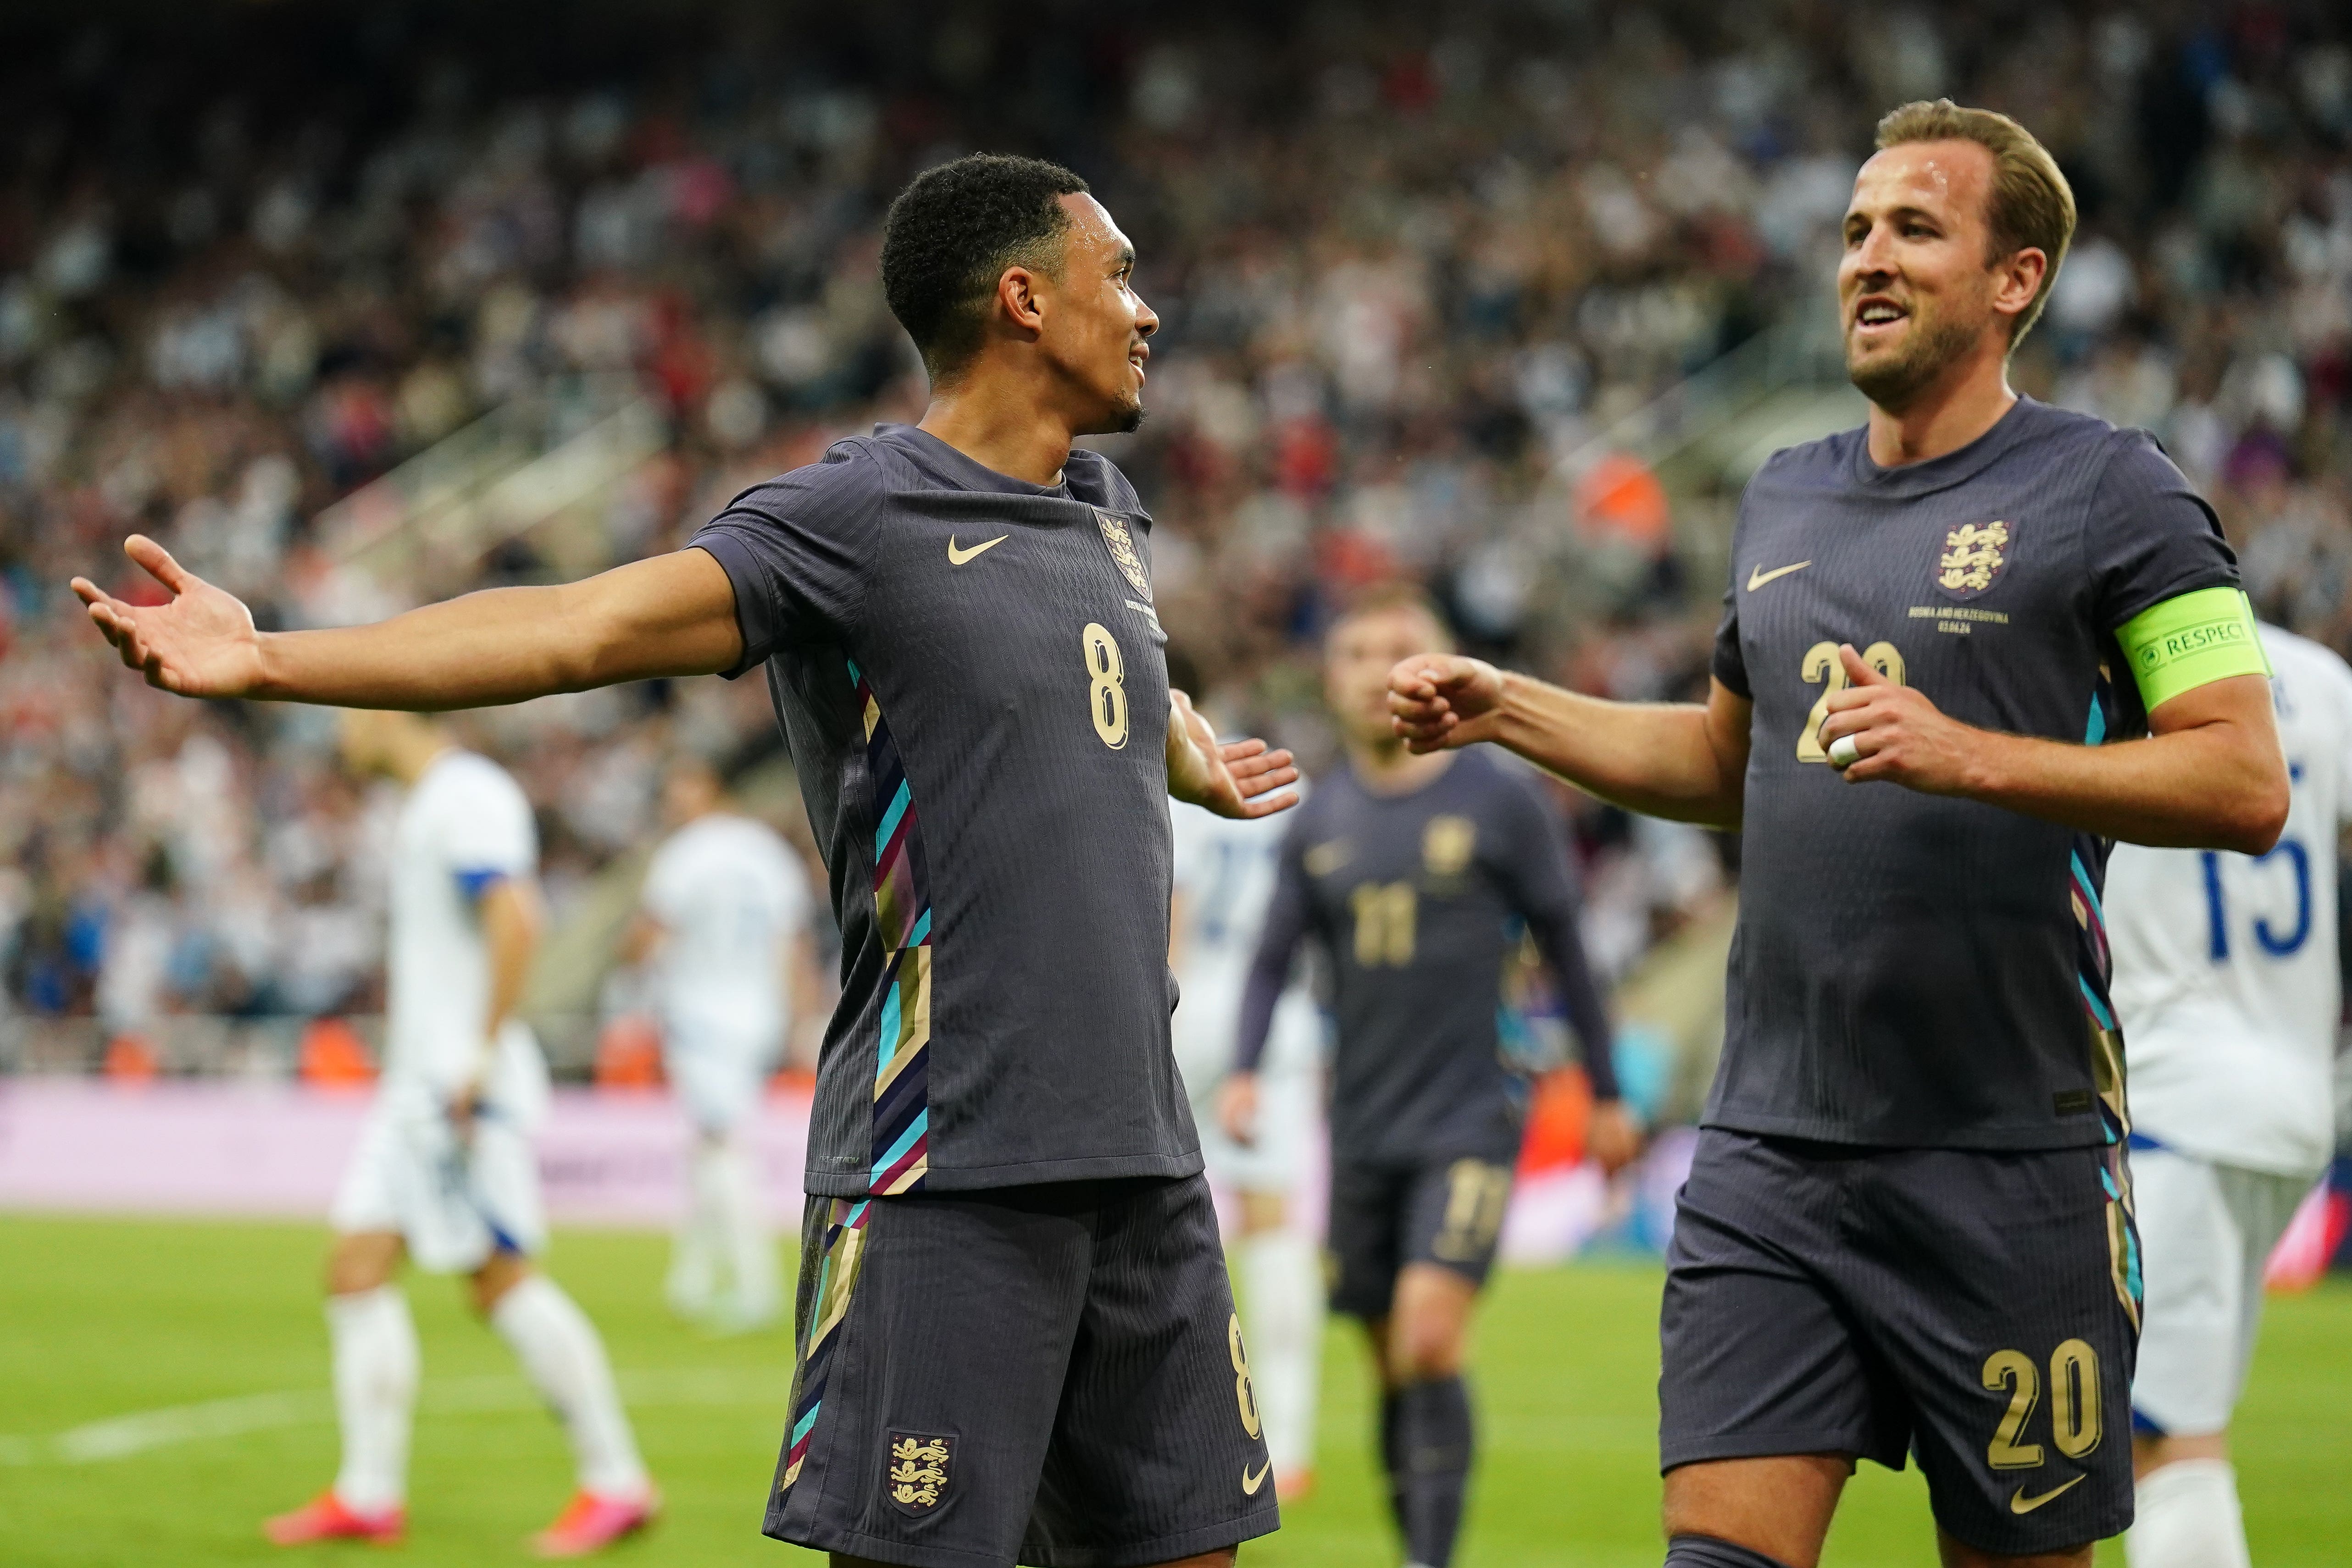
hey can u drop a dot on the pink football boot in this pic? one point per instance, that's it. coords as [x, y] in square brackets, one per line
[325, 1518]
[591, 1522]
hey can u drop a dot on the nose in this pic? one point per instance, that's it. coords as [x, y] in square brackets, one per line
[1147, 319]
[1873, 257]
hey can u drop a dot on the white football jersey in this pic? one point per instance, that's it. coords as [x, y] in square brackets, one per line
[2226, 981]
[464, 827]
[730, 893]
[1225, 871]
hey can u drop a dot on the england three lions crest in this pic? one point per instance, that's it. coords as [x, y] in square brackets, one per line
[1974, 555]
[915, 1471]
[1121, 545]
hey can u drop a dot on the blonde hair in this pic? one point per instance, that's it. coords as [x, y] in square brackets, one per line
[2031, 205]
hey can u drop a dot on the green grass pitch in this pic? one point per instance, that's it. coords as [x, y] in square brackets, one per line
[162, 1389]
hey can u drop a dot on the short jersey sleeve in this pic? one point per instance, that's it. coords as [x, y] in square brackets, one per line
[1729, 664]
[486, 830]
[798, 549]
[2149, 536]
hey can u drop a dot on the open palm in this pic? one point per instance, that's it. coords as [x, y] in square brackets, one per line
[200, 645]
[1236, 779]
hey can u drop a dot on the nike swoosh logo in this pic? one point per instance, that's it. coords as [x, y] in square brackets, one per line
[1250, 1483]
[1757, 577]
[2021, 1503]
[958, 557]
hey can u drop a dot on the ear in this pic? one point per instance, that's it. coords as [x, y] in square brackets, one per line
[2017, 278]
[1019, 295]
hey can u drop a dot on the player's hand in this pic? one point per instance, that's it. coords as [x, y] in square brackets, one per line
[1237, 1107]
[201, 645]
[1441, 700]
[1613, 1136]
[1234, 780]
[466, 1108]
[1899, 736]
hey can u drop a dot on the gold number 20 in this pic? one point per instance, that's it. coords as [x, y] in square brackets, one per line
[1822, 663]
[2075, 1415]
[1106, 684]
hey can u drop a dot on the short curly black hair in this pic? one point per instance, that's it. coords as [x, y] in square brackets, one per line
[951, 233]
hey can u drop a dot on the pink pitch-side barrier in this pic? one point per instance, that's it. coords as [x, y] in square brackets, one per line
[227, 1148]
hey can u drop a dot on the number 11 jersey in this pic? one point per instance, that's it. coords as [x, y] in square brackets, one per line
[1914, 970]
[972, 680]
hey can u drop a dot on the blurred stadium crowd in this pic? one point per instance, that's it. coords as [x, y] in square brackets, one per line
[253, 259]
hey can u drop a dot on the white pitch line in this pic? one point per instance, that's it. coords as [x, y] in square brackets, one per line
[120, 1437]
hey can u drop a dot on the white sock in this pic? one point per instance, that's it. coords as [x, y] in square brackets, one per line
[375, 1352]
[694, 1253]
[2188, 1518]
[743, 1227]
[566, 1361]
[1285, 1331]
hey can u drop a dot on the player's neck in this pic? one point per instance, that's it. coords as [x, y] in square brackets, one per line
[1953, 409]
[412, 761]
[1001, 426]
[1390, 770]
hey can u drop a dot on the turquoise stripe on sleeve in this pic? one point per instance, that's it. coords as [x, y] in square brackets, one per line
[915, 1129]
[2098, 1008]
[898, 804]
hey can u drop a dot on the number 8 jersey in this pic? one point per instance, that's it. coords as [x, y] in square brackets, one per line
[972, 678]
[2227, 977]
[1915, 970]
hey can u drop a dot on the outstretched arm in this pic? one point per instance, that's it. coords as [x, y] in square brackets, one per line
[1678, 760]
[1234, 779]
[671, 616]
[2208, 775]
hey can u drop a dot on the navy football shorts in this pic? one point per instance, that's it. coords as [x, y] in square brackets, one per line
[1977, 1308]
[1445, 1211]
[1051, 1375]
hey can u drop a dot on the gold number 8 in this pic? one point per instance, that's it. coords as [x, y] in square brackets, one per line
[1242, 1393]
[1106, 692]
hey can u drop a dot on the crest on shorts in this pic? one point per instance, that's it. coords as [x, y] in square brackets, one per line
[1122, 553]
[1446, 845]
[1974, 555]
[915, 1472]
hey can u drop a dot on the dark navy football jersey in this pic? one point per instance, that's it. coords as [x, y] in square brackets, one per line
[973, 684]
[1415, 898]
[1911, 969]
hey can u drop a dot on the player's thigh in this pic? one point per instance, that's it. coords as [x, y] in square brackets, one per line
[933, 1337]
[2003, 1289]
[1159, 1452]
[1429, 1324]
[361, 1260]
[1364, 1235]
[1759, 1356]
[2194, 1267]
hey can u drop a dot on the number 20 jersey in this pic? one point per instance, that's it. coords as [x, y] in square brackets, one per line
[2227, 979]
[972, 680]
[1915, 970]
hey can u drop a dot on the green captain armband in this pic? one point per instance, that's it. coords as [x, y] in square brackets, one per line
[2192, 641]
